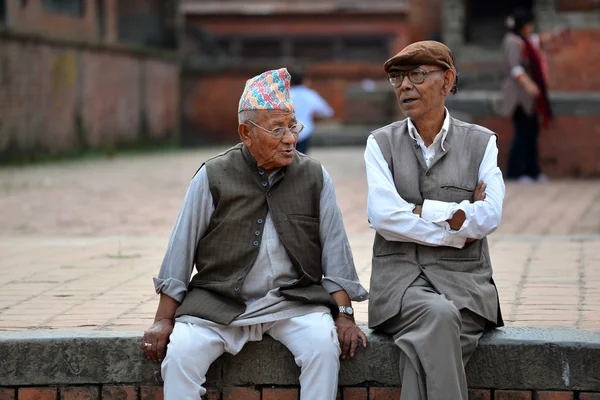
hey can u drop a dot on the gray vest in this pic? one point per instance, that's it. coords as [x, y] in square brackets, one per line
[242, 196]
[463, 275]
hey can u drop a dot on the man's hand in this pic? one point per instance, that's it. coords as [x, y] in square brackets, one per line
[459, 217]
[479, 194]
[155, 339]
[349, 335]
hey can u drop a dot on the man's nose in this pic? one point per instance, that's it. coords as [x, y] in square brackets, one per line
[289, 137]
[406, 83]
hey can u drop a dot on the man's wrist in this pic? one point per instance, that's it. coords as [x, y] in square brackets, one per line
[345, 316]
[346, 311]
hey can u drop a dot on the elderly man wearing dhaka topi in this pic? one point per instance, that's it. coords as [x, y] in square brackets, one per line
[435, 193]
[262, 226]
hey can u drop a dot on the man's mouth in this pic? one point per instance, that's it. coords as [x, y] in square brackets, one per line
[408, 101]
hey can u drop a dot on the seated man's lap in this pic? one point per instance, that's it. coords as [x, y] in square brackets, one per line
[208, 340]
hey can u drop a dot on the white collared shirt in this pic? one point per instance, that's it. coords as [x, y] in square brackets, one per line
[393, 218]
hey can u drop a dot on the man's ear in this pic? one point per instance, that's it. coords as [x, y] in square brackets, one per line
[449, 78]
[245, 134]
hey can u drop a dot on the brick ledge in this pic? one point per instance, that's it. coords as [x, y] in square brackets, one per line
[510, 357]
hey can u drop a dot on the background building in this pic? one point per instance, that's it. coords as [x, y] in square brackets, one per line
[86, 75]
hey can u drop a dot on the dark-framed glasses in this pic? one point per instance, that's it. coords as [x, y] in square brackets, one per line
[416, 76]
[280, 131]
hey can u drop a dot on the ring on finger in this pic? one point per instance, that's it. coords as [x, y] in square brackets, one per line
[147, 344]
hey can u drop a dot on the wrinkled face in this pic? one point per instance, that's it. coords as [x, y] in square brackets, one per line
[268, 151]
[418, 100]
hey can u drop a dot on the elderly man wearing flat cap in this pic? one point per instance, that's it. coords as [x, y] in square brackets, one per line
[435, 193]
[261, 224]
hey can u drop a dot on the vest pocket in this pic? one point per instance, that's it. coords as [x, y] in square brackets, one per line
[388, 248]
[302, 217]
[458, 188]
[471, 252]
[455, 193]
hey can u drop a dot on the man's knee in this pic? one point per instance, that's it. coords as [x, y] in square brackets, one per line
[442, 312]
[321, 340]
[185, 347]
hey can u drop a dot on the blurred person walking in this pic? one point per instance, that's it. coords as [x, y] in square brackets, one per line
[309, 106]
[525, 92]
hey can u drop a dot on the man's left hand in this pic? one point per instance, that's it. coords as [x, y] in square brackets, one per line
[349, 335]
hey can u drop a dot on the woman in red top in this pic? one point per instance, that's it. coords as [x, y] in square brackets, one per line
[525, 92]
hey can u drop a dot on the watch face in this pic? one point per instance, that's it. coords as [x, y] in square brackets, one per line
[346, 310]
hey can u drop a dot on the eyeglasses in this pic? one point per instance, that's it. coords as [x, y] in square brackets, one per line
[416, 76]
[279, 132]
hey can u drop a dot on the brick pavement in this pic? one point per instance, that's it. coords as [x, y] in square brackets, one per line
[81, 240]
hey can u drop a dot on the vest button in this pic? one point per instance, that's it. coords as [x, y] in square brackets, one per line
[240, 278]
[259, 221]
[257, 233]
[236, 289]
[265, 183]
[255, 243]
[428, 173]
[261, 171]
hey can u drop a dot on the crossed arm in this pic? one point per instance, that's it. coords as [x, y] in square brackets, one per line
[433, 223]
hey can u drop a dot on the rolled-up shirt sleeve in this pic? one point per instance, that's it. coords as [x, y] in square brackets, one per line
[339, 271]
[191, 225]
[482, 217]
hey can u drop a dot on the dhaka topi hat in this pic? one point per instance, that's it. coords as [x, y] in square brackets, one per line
[427, 52]
[267, 91]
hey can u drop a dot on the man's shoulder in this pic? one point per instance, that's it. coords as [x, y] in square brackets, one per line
[304, 163]
[226, 155]
[390, 128]
[471, 129]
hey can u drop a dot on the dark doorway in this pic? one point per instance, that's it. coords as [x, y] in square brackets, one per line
[2, 12]
[486, 20]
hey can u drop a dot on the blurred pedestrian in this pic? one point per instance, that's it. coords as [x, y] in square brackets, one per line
[525, 91]
[310, 106]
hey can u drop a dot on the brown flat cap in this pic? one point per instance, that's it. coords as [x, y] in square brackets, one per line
[427, 52]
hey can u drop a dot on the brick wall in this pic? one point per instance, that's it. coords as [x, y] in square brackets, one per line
[31, 16]
[568, 149]
[574, 67]
[210, 100]
[58, 98]
[396, 25]
[135, 392]
[577, 5]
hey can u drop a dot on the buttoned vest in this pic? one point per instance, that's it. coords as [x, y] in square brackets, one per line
[462, 275]
[242, 197]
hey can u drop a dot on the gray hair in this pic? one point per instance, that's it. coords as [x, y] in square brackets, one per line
[247, 116]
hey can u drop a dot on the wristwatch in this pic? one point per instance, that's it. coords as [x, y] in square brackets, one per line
[347, 310]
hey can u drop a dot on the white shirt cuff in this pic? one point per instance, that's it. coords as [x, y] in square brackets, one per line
[452, 240]
[437, 211]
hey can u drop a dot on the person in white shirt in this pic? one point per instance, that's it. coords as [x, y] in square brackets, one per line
[310, 106]
[435, 193]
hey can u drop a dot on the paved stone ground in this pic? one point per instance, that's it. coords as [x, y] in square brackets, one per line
[81, 240]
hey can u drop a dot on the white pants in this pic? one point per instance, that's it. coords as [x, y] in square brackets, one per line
[311, 338]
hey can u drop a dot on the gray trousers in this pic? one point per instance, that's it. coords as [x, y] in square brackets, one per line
[436, 342]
